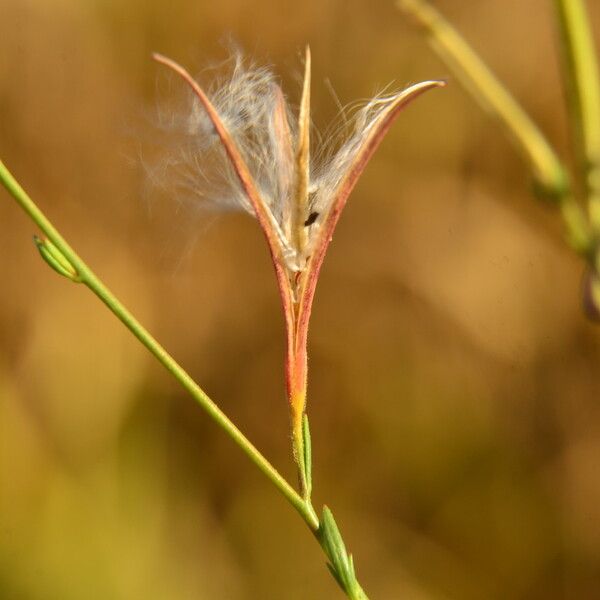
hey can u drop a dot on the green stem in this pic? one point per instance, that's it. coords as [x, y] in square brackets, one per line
[582, 82]
[66, 261]
[86, 275]
[496, 100]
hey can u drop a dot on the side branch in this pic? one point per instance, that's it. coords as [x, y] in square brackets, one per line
[86, 276]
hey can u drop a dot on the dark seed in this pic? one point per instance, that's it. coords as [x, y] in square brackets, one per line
[311, 219]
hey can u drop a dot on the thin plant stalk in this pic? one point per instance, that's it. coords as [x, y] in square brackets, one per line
[476, 77]
[81, 273]
[582, 82]
[62, 258]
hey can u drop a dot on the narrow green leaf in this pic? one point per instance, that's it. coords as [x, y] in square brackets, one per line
[335, 547]
[307, 449]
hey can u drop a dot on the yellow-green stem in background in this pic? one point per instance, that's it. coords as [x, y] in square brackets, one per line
[582, 82]
[497, 101]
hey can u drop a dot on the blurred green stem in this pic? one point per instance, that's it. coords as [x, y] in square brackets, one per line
[496, 100]
[83, 274]
[582, 83]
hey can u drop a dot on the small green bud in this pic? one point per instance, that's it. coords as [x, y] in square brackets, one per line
[342, 565]
[55, 259]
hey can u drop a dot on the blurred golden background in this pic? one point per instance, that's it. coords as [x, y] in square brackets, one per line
[454, 385]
